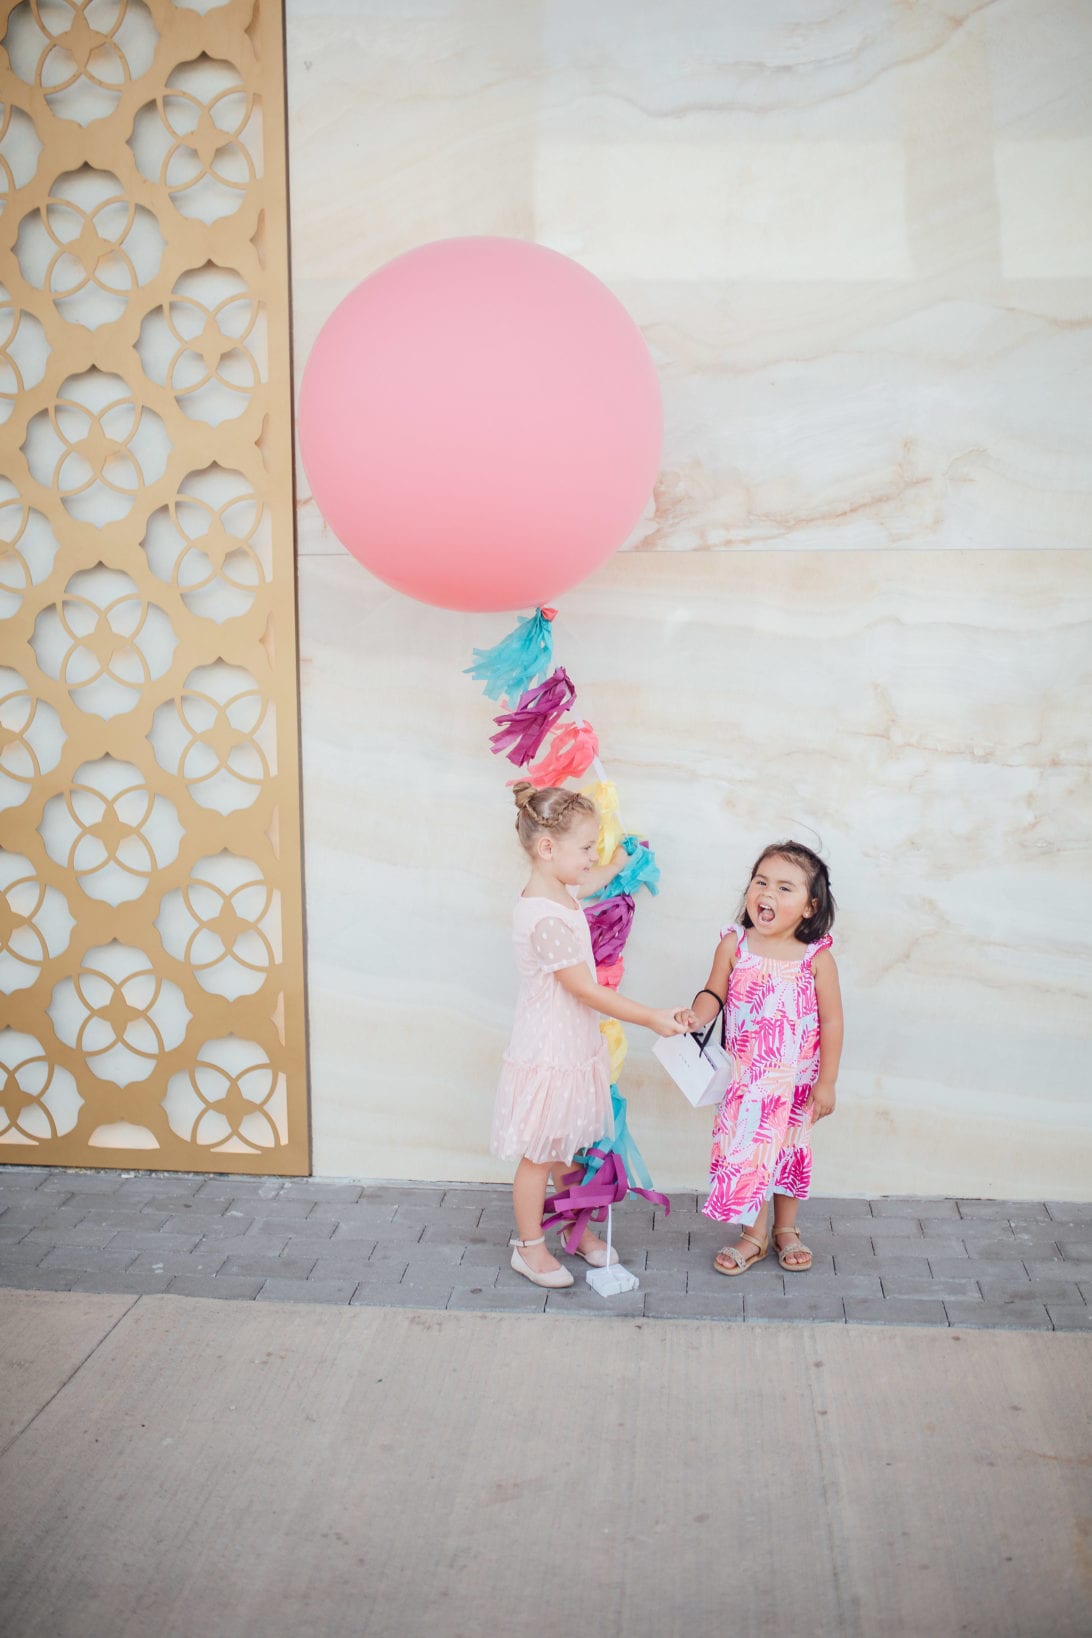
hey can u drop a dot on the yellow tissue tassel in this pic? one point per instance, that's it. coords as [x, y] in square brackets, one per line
[616, 1042]
[605, 796]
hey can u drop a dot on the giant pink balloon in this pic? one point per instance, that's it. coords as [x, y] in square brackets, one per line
[480, 423]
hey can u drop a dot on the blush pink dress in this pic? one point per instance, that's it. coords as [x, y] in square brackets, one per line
[761, 1129]
[554, 1092]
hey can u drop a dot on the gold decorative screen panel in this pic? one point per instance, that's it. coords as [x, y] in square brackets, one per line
[151, 943]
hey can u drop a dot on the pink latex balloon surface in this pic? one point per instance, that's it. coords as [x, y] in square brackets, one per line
[480, 423]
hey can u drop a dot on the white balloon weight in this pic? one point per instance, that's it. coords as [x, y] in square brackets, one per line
[612, 1280]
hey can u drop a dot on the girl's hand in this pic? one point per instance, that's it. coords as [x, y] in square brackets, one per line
[687, 1018]
[820, 1101]
[602, 874]
[667, 1021]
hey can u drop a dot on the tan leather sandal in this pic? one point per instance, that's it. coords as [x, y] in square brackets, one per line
[739, 1259]
[786, 1251]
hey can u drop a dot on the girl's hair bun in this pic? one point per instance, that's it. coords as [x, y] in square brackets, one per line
[523, 791]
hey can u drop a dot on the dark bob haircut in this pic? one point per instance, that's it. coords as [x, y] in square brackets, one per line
[817, 876]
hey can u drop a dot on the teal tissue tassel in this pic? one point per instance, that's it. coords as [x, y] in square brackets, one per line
[518, 660]
[621, 1144]
[639, 870]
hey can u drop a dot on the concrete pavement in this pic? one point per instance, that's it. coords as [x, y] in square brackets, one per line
[174, 1467]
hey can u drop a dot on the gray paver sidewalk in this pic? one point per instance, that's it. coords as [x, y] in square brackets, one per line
[1024, 1265]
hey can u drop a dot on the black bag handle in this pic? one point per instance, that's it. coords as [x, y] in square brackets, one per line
[703, 1040]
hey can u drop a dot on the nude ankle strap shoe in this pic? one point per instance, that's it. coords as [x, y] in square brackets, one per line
[555, 1279]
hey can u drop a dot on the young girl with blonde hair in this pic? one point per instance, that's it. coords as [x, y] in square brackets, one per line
[554, 1093]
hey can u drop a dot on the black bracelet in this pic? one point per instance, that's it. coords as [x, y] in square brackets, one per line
[714, 994]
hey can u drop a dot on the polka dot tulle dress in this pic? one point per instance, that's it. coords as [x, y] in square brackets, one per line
[554, 1092]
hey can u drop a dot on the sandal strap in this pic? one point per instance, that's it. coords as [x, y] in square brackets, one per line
[733, 1255]
[523, 1244]
[740, 1258]
[789, 1230]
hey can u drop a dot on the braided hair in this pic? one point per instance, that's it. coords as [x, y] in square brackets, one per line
[549, 812]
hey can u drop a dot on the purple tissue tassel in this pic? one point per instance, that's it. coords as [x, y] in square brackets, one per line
[523, 730]
[610, 921]
[585, 1196]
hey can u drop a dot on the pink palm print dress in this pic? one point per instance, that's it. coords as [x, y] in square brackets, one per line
[554, 1092]
[760, 1134]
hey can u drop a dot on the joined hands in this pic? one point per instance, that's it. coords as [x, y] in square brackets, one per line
[668, 1020]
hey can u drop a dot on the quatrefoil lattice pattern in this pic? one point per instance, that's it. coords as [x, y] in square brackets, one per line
[151, 936]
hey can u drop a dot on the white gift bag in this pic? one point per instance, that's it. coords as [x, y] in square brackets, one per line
[700, 1068]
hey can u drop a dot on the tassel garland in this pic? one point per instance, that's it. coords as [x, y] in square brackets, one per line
[517, 667]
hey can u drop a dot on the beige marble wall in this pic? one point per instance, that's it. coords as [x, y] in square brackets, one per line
[859, 242]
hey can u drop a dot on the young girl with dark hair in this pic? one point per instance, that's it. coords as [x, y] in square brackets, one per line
[775, 977]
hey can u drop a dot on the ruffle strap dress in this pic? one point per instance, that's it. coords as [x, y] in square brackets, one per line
[761, 1129]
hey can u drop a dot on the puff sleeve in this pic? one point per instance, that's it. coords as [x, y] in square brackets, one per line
[555, 945]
